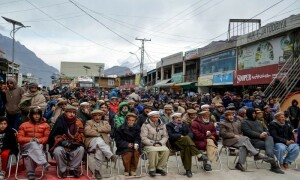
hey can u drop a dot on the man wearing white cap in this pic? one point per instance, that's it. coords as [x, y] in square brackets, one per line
[154, 137]
[180, 138]
[206, 99]
[84, 112]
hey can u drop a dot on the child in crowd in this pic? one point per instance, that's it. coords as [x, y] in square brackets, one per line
[8, 144]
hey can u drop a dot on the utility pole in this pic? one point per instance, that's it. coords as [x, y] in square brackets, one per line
[142, 55]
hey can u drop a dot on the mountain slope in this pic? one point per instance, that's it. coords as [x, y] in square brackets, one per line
[28, 61]
[117, 70]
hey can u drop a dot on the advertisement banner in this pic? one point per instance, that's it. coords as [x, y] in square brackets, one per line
[218, 62]
[177, 78]
[223, 79]
[260, 75]
[192, 54]
[205, 80]
[265, 53]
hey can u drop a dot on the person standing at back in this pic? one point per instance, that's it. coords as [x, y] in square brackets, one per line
[13, 96]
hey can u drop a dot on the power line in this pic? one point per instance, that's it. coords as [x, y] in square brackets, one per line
[102, 23]
[73, 30]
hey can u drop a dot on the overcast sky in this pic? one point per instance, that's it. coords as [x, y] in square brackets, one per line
[105, 30]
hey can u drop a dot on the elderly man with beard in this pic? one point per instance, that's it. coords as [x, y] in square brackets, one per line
[259, 137]
[165, 116]
[32, 136]
[205, 136]
[180, 138]
[66, 142]
[33, 97]
[154, 137]
[84, 112]
[96, 132]
[13, 97]
[128, 142]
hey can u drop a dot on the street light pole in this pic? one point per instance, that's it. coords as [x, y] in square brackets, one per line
[12, 34]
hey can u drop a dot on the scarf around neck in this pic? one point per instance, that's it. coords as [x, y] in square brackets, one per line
[71, 123]
[178, 126]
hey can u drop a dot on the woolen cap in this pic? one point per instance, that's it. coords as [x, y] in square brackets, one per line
[131, 115]
[168, 106]
[70, 108]
[191, 111]
[97, 112]
[152, 113]
[204, 112]
[176, 115]
[31, 85]
[204, 106]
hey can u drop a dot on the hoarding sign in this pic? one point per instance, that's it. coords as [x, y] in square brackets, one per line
[265, 53]
[205, 80]
[192, 54]
[222, 79]
[260, 75]
[177, 78]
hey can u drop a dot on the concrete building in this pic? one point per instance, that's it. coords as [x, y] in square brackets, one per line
[75, 69]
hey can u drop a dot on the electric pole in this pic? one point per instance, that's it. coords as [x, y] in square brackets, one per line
[142, 55]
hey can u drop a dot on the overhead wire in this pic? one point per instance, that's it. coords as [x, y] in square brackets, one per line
[102, 24]
[80, 35]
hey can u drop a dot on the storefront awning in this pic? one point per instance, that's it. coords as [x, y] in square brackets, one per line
[164, 83]
[184, 84]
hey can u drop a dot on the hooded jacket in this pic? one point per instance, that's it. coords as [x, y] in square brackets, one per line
[151, 134]
[13, 98]
[294, 111]
[120, 117]
[10, 141]
[28, 130]
[252, 127]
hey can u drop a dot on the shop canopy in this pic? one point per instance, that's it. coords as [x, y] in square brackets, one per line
[164, 83]
[186, 85]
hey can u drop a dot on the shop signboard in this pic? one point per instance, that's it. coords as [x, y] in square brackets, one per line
[177, 78]
[205, 80]
[218, 62]
[265, 53]
[192, 54]
[270, 29]
[223, 79]
[259, 75]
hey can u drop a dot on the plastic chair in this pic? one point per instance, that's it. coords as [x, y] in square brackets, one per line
[22, 156]
[87, 165]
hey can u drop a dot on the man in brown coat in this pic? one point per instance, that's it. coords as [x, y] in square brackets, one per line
[96, 132]
[13, 98]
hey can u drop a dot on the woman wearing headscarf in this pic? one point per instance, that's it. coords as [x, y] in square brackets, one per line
[128, 142]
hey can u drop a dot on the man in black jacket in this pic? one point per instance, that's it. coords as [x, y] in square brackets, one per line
[259, 137]
[284, 141]
[142, 117]
[180, 138]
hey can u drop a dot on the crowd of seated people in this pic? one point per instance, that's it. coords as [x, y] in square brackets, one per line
[73, 126]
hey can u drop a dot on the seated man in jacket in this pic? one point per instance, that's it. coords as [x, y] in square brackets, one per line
[154, 137]
[32, 136]
[205, 136]
[232, 137]
[66, 142]
[128, 142]
[259, 137]
[96, 132]
[180, 138]
[284, 141]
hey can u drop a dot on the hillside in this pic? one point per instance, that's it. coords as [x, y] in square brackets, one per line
[28, 61]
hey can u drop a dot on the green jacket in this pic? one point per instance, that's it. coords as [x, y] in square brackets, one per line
[121, 116]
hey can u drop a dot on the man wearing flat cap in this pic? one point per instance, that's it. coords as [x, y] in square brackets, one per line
[84, 112]
[180, 138]
[97, 140]
[190, 116]
[154, 137]
[165, 116]
[66, 142]
[33, 97]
